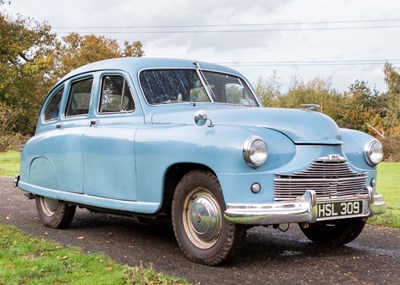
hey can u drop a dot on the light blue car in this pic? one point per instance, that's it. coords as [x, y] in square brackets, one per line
[190, 141]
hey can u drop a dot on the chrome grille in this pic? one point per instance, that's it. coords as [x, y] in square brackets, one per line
[329, 178]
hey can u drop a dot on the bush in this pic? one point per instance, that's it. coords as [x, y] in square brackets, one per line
[12, 142]
[391, 149]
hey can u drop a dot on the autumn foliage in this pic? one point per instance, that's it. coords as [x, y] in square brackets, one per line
[360, 107]
[33, 58]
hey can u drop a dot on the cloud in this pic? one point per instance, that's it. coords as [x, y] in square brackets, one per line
[282, 44]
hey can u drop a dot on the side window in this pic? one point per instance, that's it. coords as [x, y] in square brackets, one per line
[115, 95]
[172, 86]
[229, 89]
[79, 98]
[53, 106]
[235, 93]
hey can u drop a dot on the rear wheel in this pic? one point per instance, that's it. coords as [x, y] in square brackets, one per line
[197, 216]
[336, 232]
[54, 213]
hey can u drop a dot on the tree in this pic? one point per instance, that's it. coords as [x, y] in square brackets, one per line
[32, 59]
[362, 109]
[76, 50]
[392, 80]
[316, 91]
[25, 60]
[269, 90]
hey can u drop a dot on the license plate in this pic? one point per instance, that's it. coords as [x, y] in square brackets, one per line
[349, 208]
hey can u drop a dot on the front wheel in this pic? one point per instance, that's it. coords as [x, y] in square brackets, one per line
[197, 216]
[54, 213]
[336, 232]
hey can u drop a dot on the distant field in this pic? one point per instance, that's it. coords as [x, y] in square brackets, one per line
[388, 185]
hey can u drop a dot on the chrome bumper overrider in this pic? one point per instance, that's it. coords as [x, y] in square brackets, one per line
[302, 210]
[16, 180]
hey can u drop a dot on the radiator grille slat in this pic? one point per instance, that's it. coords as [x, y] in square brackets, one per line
[329, 179]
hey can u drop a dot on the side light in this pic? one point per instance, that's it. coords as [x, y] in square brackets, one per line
[373, 152]
[255, 151]
[255, 187]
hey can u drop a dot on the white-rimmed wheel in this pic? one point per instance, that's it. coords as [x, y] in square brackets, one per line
[54, 213]
[197, 217]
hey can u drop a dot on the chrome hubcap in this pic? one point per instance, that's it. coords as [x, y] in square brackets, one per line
[202, 219]
[49, 206]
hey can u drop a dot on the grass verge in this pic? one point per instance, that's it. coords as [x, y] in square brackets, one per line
[9, 163]
[389, 186]
[28, 260]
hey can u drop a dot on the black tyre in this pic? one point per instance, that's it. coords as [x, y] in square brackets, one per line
[336, 232]
[54, 213]
[200, 229]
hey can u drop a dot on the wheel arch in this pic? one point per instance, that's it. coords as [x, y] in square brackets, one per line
[42, 173]
[171, 179]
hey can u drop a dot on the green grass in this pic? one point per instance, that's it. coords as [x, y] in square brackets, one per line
[389, 186]
[28, 260]
[9, 163]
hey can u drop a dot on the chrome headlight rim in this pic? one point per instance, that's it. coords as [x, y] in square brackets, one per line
[373, 152]
[255, 151]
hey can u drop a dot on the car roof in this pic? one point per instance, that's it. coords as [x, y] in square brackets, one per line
[135, 64]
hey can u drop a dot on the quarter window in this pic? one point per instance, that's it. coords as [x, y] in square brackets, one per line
[53, 107]
[79, 98]
[115, 95]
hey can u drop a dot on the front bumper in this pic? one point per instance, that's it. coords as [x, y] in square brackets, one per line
[302, 210]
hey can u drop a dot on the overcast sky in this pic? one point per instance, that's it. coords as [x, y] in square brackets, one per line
[335, 40]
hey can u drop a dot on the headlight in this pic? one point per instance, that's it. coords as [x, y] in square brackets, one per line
[373, 152]
[255, 151]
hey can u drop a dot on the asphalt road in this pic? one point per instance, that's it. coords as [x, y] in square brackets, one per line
[268, 257]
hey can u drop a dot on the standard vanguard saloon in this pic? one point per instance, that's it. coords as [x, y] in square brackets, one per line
[191, 141]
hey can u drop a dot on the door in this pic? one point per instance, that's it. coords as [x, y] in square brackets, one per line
[61, 144]
[108, 145]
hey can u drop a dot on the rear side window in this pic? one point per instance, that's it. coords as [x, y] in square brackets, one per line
[79, 98]
[53, 106]
[115, 95]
